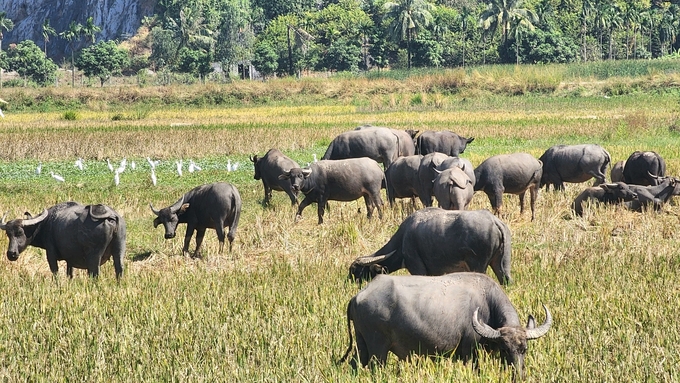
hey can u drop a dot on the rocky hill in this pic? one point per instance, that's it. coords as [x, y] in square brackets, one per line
[119, 19]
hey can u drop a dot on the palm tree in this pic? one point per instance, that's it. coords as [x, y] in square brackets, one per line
[6, 24]
[521, 26]
[47, 31]
[71, 34]
[586, 10]
[505, 14]
[631, 19]
[407, 18]
[89, 29]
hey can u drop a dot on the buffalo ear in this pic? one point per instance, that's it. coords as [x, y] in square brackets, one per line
[156, 222]
[531, 323]
[285, 175]
[470, 139]
[183, 208]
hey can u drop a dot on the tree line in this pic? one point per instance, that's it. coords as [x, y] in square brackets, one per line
[289, 37]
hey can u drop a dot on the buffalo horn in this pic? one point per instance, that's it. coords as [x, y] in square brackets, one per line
[154, 210]
[535, 333]
[483, 329]
[253, 159]
[175, 208]
[306, 172]
[3, 224]
[36, 220]
[372, 260]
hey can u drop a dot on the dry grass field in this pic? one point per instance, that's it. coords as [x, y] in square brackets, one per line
[273, 310]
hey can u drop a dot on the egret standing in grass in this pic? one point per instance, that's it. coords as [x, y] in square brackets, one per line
[108, 164]
[79, 163]
[116, 177]
[179, 167]
[38, 170]
[57, 177]
[153, 176]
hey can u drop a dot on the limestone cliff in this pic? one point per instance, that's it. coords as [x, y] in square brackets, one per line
[119, 19]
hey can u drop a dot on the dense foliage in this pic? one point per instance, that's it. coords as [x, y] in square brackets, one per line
[283, 37]
[102, 60]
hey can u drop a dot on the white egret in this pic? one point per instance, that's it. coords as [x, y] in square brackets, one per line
[151, 163]
[179, 167]
[108, 163]
[38, 170]
[121, 167]
[116, 177]
[79, 163]
[57, 177]
[133, 165]
[228, 165]
[314, 157]
[153, 177]
[193, 167]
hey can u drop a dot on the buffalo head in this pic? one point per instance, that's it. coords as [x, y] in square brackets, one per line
[20, 233]
[367, 268]
[513, 340]
[620, 190]
[297, 177]
[169, 216]
[254, 160]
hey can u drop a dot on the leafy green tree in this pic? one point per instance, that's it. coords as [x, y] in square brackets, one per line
[508, 15]
[408, 17]
[102, 60]
[47, 31]
[236, 35]
[275, 8]
[6, 25]
[542, 47]
[30, 62]
[265, 59]
[71, 34]
[194, 61]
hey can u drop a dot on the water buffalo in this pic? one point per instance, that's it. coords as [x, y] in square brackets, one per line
[83, 236]
[449, 315]
[338, 180]
[433, 241]
[654, 196]
[607, 193]
[402, 178]
[445, 142]
[616, 174]
[407, 145]
[379, 144]
[427, 174]
[453, 189]
[573, 163]
[269, 168]
[509, 173]
[463, 163]
[642, 168]
[210, 206]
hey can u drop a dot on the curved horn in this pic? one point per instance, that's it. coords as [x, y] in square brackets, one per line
[3, 224]
[253, 159]
[483, 329]
[535, 333]
[157, 212]
[177, 205]
[372, 260]
[36, 220]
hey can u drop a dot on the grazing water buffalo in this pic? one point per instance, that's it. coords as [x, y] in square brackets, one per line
[426, 176]
[445, 142]
[449, 315]
[269, 168]
[210, 206]
[606, 193]
[453, 189]
[462, 163]
[407, 145]
[379, 144]
[433, 241]
[573, 163]
[642, 168]
[402, 178]
[509, 173]
[338, 180]
[616, 173]
[83, 236]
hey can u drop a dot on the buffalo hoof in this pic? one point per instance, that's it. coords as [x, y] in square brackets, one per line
[298, 218]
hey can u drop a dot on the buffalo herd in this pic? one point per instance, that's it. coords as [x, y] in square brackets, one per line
[447, 305]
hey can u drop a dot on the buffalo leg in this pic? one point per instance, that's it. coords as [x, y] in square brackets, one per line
[521, 202]
[93, 261]
[200, 233]
[69, 270]
[118, 251]
[321, 207]
[267, 195]
[305, 202]
[219, 228]
[187, 239]
[534, 196]
[496, 199]
[52, 261]
[369, 206]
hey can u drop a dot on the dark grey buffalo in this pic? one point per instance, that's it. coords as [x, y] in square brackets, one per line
[450, 315]
[654, 196]
[616, 174]
[446, 142]
[433, 241]
[407, 144]
[427, 174]
[83, 236]
[453, 189]
[643, 168]
[210, 206]
[379, 144]
[606, 193]
[402, 178]
[574, 163]
[509, 173]
[269, 168]
[338, 180]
